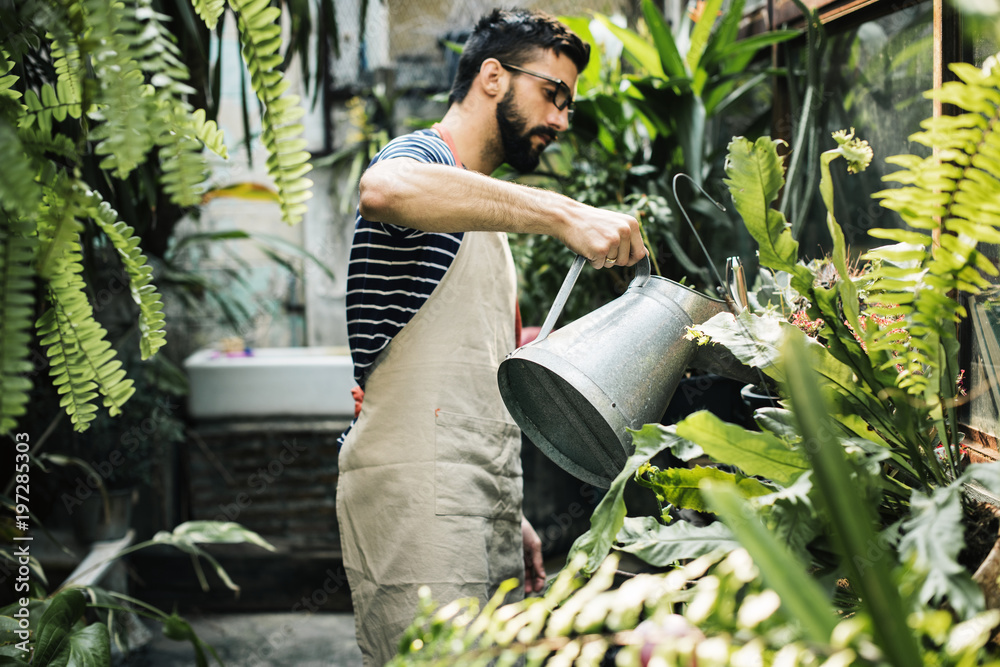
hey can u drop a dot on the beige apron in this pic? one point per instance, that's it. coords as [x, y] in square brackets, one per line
[430, 475]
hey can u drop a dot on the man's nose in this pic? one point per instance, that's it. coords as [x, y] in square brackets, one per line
[559, 119]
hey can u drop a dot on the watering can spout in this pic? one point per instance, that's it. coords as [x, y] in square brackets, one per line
[576, 392]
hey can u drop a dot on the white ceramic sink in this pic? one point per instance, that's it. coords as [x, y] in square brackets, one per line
[272, 382]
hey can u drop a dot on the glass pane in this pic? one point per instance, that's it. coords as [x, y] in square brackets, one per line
[984, 316]
[984, 366]
[873, 79]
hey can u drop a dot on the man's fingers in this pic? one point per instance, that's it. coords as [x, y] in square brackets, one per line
[608, 238]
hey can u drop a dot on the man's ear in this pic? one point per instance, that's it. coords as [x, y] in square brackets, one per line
[493, 78]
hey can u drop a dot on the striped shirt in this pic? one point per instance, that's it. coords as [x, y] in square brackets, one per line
[394, 269]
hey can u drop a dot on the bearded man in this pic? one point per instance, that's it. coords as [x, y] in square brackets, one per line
[430, 477]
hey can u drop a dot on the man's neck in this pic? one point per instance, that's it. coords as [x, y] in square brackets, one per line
[475, 140]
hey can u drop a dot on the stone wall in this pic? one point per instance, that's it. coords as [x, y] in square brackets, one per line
[278, 479]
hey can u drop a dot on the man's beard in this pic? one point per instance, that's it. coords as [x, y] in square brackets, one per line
[518, 150]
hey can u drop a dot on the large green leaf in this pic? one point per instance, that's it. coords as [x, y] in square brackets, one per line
[662, 545]
[609, 516]
[639, 51]
[61, 639]
[699, 40]
[932, 539]
[754, 177]
[680, 486]
[591, 74]
[670, 57]
[753, 452]
[802, 599]
[851, 517]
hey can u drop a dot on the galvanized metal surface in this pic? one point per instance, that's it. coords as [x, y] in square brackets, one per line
[576, 391]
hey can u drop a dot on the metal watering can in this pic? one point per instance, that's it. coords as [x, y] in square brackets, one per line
[575, 391]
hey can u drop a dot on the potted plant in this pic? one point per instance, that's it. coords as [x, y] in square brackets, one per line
[851, 501]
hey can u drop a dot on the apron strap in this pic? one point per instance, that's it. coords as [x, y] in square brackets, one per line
[446, 135]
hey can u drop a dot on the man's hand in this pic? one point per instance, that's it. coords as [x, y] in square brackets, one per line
[534, 571]
[606, 238]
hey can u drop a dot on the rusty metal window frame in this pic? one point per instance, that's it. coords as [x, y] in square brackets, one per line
[948, 48]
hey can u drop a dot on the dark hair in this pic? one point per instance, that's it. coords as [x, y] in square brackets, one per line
[513, 36]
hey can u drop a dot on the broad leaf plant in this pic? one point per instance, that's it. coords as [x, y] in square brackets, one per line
[843, 513]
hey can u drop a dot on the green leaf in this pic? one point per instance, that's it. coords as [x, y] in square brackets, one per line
[670, 58]
[178, 629]
[661, 545]
[62, 641]
[933, 536]
[680, 487]
[19, 191]
[851, 517]
[754, 177]
[188, 535]
[699, 40]
[81, 359]
[609, 516]
[140, 273]
[210, 11]
[212, 532]
[17, 253]
[287, 163]
[639, 51]
[753, 452]
[802, 599]
[778, 421]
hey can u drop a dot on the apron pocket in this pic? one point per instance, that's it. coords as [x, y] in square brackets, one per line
[478, 467]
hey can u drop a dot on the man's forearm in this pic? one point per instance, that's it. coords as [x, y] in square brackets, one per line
[440, 198]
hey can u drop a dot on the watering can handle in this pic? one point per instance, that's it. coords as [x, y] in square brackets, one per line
[641, 277]
[737, 283]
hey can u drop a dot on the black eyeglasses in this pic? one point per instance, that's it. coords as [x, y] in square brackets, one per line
[562, 96]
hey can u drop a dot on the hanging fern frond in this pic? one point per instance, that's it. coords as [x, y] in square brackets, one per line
[53, 104]
[139, 272]
[38, 143]
[208, 133]
[950, 194]
[185, 169]
[17, 254]
[70, 75]
[57, 222]
[18, 188]
[8, 93]
[82, 362]
[288, 162]
[209, 11]
[180, 132]
[125, 102]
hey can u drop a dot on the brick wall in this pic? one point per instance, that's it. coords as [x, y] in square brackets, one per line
[278, 479]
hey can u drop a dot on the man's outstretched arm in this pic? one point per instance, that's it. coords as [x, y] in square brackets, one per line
[441, 198]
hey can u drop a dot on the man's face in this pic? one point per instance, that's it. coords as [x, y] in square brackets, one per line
[527, 119]
[520, 150]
